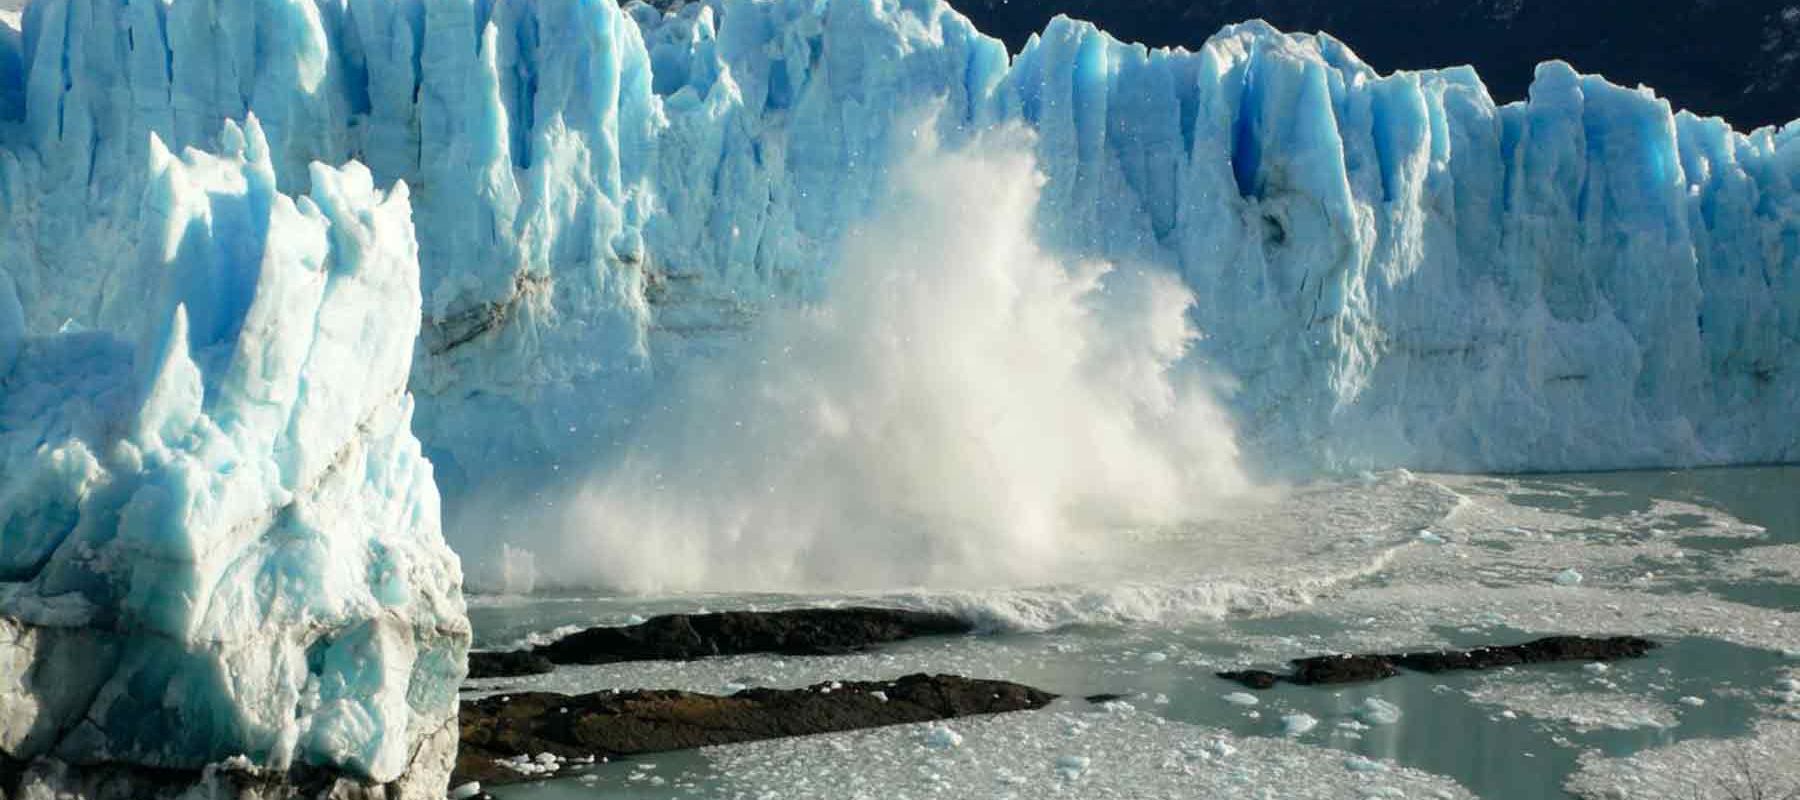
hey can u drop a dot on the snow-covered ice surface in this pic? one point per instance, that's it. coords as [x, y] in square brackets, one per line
[1393, 269]
[221, 539]
[1113, 751]
[1070, 750]
[1584, 710]
[1760, 765]
[1514, 733]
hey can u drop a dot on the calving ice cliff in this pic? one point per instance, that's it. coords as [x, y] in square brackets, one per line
[1394, 270]
[209, 362]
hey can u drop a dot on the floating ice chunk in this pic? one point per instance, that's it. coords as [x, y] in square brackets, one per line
[1155, 658]
[1376, 711]
[1596, 668]
[941, 737]
[1430, 538]
[528, 765]
[1788, 690]
[466, 791]
[1568, 577]
[1071, 767]
[1361, 764]
[1242, 699]
[1298, 724]
[1692, 701]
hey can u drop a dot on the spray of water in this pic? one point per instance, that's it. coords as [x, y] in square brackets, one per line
[961, 409]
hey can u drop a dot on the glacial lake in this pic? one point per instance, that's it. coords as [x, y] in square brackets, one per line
[1706, 562]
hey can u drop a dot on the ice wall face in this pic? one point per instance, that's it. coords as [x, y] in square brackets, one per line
[1403, 274]
[1395, 270]
[221, 542]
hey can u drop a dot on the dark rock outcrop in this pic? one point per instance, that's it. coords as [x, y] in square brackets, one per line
[507, 664]
[1331, 670]
[685, 637]
[613, 724]
[802, 632]
[1364, 668]
[1543, 651]
[1253, 678]
[233, 778]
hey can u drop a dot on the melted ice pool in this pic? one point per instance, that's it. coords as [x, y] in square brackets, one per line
[1708, 562]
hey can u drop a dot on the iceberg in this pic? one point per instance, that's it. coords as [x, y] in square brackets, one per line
[220, 547]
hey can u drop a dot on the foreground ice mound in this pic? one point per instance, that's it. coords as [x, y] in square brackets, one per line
[220, 543]
[1397, 271]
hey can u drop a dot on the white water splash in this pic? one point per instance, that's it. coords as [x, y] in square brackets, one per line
[961, 409]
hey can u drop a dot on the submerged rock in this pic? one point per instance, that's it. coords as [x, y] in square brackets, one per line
[505, 739]
[800, 632]
[1365, 668]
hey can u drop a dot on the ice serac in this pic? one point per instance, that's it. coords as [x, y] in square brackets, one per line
[1394, 270]
[221, 563]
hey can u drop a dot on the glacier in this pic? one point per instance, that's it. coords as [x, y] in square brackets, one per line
[220, 546]
[1392, 269]
[1395, 270]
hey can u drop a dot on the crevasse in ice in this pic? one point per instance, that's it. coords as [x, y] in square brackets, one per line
[219, 537]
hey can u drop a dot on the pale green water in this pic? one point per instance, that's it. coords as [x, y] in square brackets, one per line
[1703, 561]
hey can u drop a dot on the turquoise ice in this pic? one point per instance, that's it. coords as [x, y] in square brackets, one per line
[1395, 269]
[220, 539]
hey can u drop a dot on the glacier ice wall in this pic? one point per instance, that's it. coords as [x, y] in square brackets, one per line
[1396, 270]
[220, 539]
